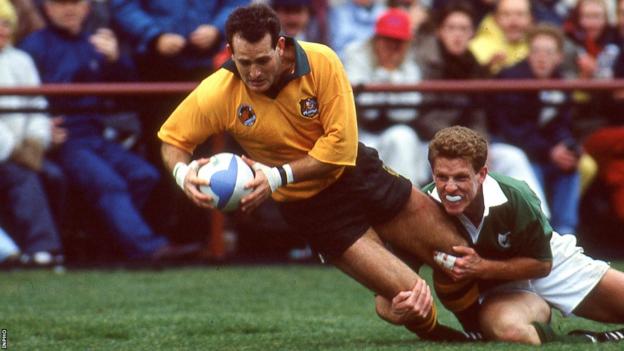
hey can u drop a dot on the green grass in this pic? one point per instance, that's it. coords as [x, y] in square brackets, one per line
[210, 308]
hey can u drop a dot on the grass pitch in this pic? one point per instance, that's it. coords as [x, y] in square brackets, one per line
[212, 308]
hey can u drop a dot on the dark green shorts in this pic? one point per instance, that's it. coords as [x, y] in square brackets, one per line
[365, 195]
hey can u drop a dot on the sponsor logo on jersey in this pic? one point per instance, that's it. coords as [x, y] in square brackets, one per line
[309, 107]
[503, 240]
[246, 115]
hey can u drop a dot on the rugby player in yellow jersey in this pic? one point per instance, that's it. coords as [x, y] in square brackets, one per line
[522, 266]
[290, 106]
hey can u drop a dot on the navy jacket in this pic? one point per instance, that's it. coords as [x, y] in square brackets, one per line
[64, 58]
[533, 121]
[142, 21]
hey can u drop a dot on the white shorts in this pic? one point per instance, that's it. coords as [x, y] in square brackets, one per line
[573, 276]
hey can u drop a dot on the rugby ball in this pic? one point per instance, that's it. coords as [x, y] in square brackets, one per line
[227, 174]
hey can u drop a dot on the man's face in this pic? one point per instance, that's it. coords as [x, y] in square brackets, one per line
[544, 56]
[592, 18]
[294, 20]
[258, 63]
[67, 14]
[390, 52]
[5, 33]
[457, 183]
[514, 18]
[455, 33]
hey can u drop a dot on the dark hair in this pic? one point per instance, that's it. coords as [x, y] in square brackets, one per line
[548, 30]
[453, 7]
[459, 142]
[252, 23]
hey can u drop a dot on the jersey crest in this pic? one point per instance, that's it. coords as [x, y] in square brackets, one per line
[503, 240]
[309, 107]
[246, 115]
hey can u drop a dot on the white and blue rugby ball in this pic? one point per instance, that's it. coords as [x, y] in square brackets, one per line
[227, 174]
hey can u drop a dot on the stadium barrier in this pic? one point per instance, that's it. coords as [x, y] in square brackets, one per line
[216, 243]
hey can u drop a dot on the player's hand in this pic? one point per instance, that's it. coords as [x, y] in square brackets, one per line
[468, 264]
[204, 37]
[105, 43]
[409, 306]
[260, 185]
[170, 44]
[192, 183]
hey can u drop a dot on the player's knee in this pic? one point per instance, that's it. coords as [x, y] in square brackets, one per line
[508, 331]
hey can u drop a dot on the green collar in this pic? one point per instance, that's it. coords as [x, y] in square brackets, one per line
[302, 67]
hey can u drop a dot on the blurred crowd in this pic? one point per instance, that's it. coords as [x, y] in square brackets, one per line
[81, 177]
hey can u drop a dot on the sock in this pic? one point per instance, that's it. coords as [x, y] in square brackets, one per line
[461, 298]
[547, 335]
[430, 329]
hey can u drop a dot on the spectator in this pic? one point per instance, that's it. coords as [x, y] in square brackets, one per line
[606, 145]
[542, 127]
[596, 52]
[298, 20]
[589, 29]
[25, 209]
[29, 19]
[448, 57]
[113, 181]
[481, 7]
[173, 40]
[386, 58]
[352, 21]
[501, 39]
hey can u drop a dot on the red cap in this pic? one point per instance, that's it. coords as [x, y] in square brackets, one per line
[394, 23]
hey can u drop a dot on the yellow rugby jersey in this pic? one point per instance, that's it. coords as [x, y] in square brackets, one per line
[312, 113]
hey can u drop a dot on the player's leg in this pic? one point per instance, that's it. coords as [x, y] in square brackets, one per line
[602, 304]
[371, 264]
[420, 228]
[509, 317]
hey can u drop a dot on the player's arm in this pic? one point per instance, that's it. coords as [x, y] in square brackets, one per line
[470, 265]
[268, 179]
[185, 174]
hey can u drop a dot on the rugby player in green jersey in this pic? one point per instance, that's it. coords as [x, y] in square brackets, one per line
[516, 263]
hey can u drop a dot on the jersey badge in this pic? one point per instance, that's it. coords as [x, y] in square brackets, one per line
[309, 107]
[503, 240]
[246, 115]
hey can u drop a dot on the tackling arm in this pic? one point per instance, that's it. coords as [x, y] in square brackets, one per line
[471, 265]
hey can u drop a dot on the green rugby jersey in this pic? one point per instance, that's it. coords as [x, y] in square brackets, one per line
[513, 224]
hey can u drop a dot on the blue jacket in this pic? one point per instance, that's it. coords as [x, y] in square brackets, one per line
[64, 58]
[142, 21]
[534, 121]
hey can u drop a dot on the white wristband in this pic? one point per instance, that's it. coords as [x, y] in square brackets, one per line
[290, 177]
[272, 175]
[180, 171]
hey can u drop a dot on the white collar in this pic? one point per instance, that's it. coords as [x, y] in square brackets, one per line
[492, 196]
